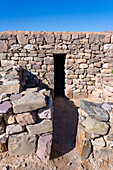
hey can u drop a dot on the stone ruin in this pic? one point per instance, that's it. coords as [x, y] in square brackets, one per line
[25, 116]
[94, 138]
[29, 62]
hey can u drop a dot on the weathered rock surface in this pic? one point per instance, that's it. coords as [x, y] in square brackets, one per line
[26, 118]
[11, 129]
[15, 96]
[94, 110]
[3, 46]
[22, 144]
[4, 107]
[43, 127]
[22, 39]
[83, 143]
[45, 113]
[106, 106]
[29, 102]
[10, 89]
[99, 142]
[44, 147]
[96, 127]
[3, 138]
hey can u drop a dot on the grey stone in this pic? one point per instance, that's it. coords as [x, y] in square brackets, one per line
[11, 129]
[95, 127]
[21, 144]
[50, 38]
[99, 142]
[44, 147]
[22, 39]
[44, 126]
[15, 47]
[106, 107]
[29, 102]
[94, 38]
[94, 110]
[86, 150]
[50, 77]
[3, 138]
[45, 113]
[3, 46]
[29, 47]
[93, 70]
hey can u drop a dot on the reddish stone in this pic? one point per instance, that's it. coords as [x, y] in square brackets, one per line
[15, 96]
[36, 67]
[44, 147]
[4, 107]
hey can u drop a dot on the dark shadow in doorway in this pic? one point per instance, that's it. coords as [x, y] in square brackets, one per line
[59, 74]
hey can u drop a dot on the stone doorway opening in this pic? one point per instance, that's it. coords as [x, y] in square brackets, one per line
[59, 74]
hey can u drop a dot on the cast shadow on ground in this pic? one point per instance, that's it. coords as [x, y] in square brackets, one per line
[65, 120]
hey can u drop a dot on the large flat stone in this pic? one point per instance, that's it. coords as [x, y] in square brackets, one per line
[95, 127]
[94, 110]
[21, 144]
[43, 127]
[44, 147]
[29, 102]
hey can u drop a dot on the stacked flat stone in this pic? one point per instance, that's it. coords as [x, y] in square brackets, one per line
[95, 131]
[104, 87]
[87, 54]
[25, 117]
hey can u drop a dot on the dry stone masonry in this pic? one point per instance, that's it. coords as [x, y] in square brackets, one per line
[94, 139]
[27, 82]
[25, 116]
[86, 56]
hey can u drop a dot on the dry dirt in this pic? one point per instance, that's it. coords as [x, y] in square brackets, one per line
[64, 154]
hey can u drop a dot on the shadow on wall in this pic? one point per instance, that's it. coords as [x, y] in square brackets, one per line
[65, 117]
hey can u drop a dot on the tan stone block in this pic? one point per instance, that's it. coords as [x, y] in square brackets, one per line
[97, 64]
[80, 61]
[9, 89]
[26, 118]
[106, 71]
[83, 65]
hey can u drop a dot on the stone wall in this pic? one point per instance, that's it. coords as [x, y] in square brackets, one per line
[86, 55]
[25, 115]
[94, 139]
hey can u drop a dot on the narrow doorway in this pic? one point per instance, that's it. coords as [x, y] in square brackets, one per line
[59, 74]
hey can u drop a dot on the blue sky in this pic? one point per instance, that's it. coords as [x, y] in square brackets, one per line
[59, 15]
